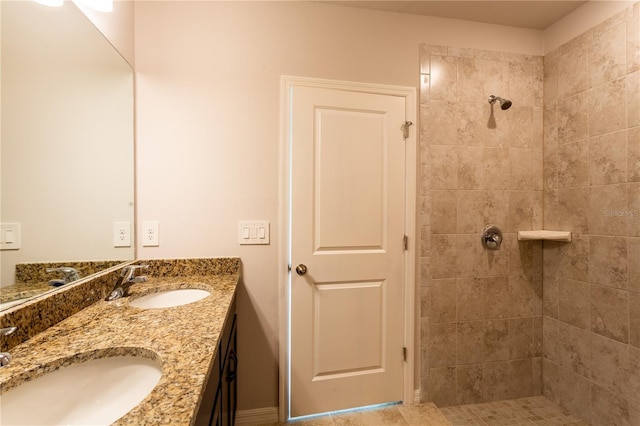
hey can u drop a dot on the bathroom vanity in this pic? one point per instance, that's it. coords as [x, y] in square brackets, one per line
[194, 344]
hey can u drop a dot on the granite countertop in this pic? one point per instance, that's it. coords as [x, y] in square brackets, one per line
[183, 338]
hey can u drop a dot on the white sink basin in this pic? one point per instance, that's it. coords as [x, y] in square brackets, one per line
[96, 392]
[169, 298]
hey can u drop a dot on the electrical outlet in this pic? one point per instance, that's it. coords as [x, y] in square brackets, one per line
[121, 234]
[150, 237]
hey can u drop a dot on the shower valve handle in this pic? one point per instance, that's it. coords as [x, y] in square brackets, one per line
[491, 237]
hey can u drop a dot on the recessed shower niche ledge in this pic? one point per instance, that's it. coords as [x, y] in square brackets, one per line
[564, 236]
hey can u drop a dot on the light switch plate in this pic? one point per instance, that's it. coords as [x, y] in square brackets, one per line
[10, 238]
[253, 232]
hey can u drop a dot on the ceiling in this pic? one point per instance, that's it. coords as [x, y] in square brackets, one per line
[525, 14]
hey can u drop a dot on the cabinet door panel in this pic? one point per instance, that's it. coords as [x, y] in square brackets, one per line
[219, 402]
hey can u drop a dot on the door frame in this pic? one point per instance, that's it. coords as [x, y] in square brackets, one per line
[284, 220]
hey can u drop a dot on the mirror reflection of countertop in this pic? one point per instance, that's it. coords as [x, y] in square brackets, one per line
[23, 291]
[33, 279]
[184, 338]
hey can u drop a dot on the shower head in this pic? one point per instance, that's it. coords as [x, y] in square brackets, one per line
[504, 103]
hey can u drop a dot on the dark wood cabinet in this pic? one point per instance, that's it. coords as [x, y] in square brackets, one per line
[229, 387]
[219, 403]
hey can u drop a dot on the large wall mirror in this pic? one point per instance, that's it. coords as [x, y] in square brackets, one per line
[67, 141]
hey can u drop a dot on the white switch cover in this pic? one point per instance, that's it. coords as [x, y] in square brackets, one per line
[150, 237]
[253, 232]
[122, 234]
[10, 238]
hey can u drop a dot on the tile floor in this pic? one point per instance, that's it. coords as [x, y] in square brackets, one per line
[524, 411]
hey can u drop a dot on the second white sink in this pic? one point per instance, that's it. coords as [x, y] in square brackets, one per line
[169, 298]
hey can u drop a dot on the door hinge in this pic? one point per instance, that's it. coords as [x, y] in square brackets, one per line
[405, 129]
[404, 354]
[405, 243]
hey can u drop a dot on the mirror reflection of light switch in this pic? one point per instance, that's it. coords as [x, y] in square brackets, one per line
[10, 238]
[253, 232]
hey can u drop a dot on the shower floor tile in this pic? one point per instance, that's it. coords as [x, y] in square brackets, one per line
[536, 410]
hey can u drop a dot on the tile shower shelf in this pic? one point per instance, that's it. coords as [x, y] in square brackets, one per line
[564, 236]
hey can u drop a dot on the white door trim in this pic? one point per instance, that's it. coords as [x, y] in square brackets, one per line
[409, 93]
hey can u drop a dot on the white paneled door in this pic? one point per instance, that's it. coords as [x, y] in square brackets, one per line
[347, 254]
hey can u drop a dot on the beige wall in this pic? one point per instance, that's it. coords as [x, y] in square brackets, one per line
[208, 114]
[117, 26]
[480, 309]
[592, 188]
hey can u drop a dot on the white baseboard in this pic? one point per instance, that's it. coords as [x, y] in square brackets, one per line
[258, 416]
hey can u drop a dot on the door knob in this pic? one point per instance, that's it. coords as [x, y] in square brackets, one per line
[301, 269]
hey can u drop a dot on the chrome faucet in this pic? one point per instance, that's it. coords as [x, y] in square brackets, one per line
[69, 275]
[127, 278]
[5, 357]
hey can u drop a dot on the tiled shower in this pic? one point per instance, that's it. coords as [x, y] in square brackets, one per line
[558, 319]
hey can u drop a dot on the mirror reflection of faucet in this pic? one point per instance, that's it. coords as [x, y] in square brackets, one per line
[491, 237]
[127, 278]
[69, 275]
[5, 357]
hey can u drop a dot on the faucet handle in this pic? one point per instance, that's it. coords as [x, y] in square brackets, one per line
[130, 269]
[7, 331]
[138, 266]
[128, 272]
[138, 279]
[5, 358]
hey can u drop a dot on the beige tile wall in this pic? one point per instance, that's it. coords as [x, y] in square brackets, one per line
[481, 311]
[592, 188]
